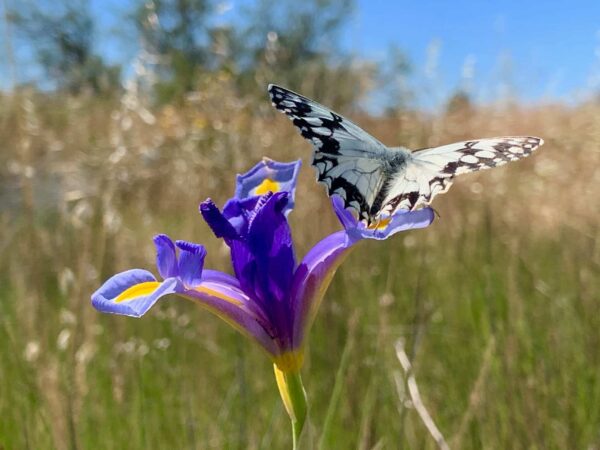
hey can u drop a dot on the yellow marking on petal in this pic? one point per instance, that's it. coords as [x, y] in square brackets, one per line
[381, 224]
[137, 290]
[290, 361]
[284, 391]
[267, 185]
[218, 294]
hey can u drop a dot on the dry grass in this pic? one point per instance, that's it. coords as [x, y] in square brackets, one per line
[86, 182]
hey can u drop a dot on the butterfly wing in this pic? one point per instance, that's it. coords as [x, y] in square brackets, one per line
[349, 161]
[376, 180]
[431, 171]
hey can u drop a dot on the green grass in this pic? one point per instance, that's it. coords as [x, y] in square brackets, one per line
[498, 308]
[452, 299]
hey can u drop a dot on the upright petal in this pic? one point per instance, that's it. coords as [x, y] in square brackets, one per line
[269, 176]
[131, 293]
[244, 266]
[270, 241]
[191, 263]
[237, 212]
[166, 260]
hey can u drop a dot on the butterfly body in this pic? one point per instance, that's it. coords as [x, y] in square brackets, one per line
[376, 180]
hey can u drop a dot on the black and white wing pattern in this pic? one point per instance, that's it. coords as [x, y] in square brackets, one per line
[431, 171]
[376, 180]
[349, 161]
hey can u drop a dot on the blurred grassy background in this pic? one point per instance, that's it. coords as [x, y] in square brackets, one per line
[497, 301]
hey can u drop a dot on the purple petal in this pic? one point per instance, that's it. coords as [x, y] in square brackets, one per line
[166, 261]
[263, 262]
[345, 216]
[230, 285]
[269, 176]
[244, 266]
[143, 288]
[241, 257]
[402, 220]
[191, 263]
[237, 212]
[311, 279]
[223, 278]
[217, 222]
[270, 241]
[260, 204]
[228, 302]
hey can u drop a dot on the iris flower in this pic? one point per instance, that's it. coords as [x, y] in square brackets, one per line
[272, 299]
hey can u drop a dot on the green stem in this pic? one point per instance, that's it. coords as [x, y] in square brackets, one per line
[293, 395]
[296, 432]
[298, 395]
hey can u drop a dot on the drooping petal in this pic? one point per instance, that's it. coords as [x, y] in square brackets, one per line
[191, 263]
[166, 260]
[401, 221]
[316, 270]
[131, 293]
[216, 276]
[230, 286]
[312, 278]
[221, 295]
[269, 176]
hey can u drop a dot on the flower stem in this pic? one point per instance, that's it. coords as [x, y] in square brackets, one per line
[293, 396]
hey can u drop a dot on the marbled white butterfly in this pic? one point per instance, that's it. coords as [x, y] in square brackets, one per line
[376, 180]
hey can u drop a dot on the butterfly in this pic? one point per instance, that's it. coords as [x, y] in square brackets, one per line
[375, 180]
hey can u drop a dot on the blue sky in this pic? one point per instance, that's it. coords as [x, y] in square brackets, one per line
[545, 50]
[537, 50]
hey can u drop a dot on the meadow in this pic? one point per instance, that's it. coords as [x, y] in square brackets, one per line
[497, 302]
